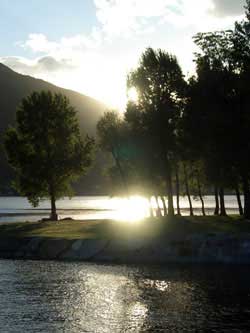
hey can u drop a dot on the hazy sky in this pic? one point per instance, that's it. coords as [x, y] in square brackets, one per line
[90, 45]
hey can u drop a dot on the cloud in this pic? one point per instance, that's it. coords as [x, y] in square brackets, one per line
[224, 8]
[39, 43]
[96, 64]
[131, 17]
[42, 65]
[128, 16]
[50, 64]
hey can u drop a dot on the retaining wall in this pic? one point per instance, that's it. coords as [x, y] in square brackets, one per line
[217, 248]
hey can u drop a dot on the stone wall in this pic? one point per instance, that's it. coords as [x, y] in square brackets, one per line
[216, 248]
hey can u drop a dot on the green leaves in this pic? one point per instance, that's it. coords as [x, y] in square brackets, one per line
[46, 149]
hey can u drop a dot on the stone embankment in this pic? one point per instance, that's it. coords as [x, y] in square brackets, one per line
[216, 248]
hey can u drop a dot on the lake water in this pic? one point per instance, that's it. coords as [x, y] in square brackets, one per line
[82, 297]
[14, 209]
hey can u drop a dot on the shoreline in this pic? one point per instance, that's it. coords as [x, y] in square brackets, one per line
[85, 214]
[181, 241]
[205, 249]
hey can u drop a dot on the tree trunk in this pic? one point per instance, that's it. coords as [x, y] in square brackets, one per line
[200, 195]
[158, 208]
[187, 190]
[123, 177]
[169, 190]
[246, 198]
[217, 205]
[53, 215]
[151, 212]
[164, 206]
[177, 190]
[237, 191]
[222, 202]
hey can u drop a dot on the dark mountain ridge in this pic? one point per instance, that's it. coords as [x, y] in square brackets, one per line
[14, 87]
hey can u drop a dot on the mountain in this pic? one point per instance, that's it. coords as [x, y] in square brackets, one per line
[14, 87]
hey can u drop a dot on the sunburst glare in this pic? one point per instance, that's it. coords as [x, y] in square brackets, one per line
[133, 209]
[132, 95]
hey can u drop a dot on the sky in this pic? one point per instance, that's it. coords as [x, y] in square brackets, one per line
[91, 45]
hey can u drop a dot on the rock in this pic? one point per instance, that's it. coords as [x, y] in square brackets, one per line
[53, 248]
[217, 248]
[88, 249]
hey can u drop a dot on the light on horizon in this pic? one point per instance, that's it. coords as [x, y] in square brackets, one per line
[132, 210]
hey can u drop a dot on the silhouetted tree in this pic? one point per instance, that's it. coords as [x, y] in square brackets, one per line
[194, 135]
[237, 192]
[46, 149]
[215, 91]
[146, 161]
[227, 55]
[160, 86]
[112, 138]
[240, 53]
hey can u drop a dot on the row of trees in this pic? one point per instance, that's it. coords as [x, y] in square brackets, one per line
[183, 137]
[190, 136]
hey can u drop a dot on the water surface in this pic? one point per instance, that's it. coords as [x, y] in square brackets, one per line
[81, 297]
[13, 209]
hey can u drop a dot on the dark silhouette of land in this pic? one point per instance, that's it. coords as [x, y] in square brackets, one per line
[14, 87]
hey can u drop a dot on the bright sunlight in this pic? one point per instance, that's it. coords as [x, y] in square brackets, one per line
[133, 209]
[132, 95]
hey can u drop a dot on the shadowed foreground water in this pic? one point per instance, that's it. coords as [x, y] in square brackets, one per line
[79, 297]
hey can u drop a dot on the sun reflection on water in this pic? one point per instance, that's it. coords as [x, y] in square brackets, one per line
[160, 285]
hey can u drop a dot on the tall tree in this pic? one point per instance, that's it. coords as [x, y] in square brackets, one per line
[160, 85]
[215, 90]
[146, 161]
[241, 59]
[228, 53]
[46, 149]
[112, 138]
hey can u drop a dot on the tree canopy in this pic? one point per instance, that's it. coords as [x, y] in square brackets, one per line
[46, 149]
[192, 136]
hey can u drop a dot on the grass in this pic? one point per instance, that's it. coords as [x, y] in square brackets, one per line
[146, 229]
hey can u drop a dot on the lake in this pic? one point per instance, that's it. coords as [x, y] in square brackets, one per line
[55, 297]
[13, 209]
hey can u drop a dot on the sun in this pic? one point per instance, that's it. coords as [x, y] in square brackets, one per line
[132, 209]
[132, 95]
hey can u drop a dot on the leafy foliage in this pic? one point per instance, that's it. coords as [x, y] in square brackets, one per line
[45, 148]
[193, 134]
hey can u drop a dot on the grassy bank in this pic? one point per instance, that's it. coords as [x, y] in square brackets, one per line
[105, 229]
